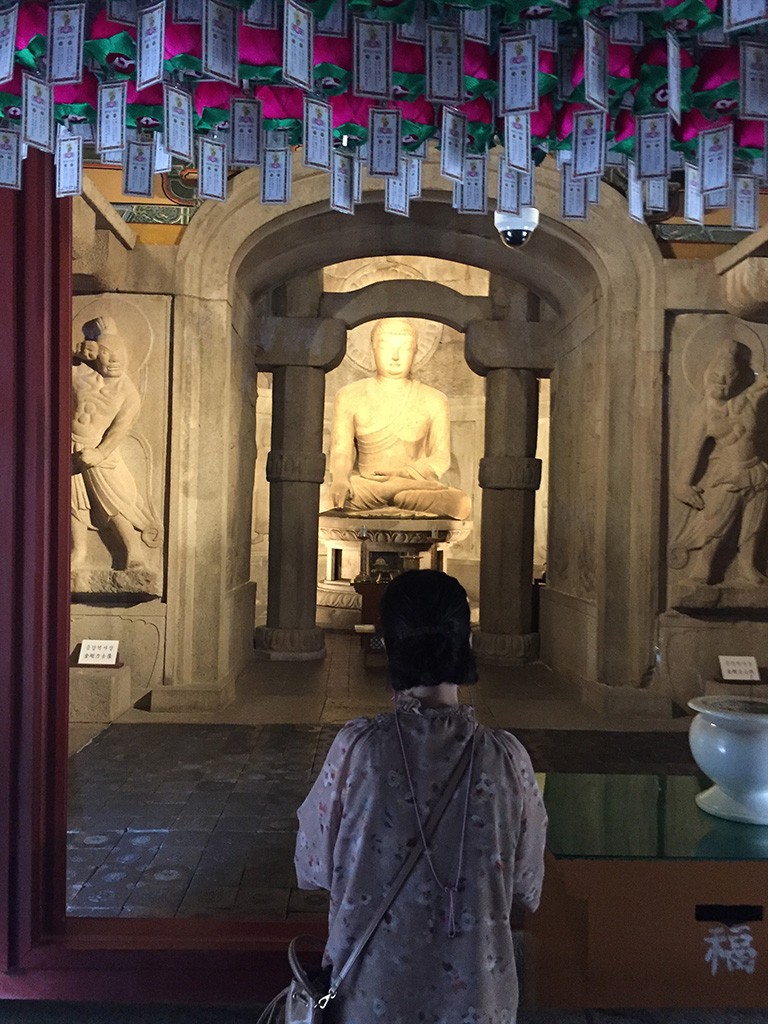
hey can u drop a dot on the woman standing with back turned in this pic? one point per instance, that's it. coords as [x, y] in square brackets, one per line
[443, 952]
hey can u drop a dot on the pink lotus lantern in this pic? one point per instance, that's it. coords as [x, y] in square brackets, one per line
[212, 100]
[652, 93]
[31, 36]
[10, 98]
[77, 104]
[333, 64]
[261, 55]
[620, 74]
[283, 110]
[144, 108]
[716, 89]
[112, 47]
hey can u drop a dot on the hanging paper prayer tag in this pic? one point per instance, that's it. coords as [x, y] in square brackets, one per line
[573, 195]
[508, 188]
[396, 195]
[634, 193]
[413, 165]
[298, 36]
[746, 198]
[138, 170]
[66, 30]
[123, 11]
[445, 64]
[276, 177]
[453, 141]
[588, 143]
[384, 142]
[10, 158]
[212, 169]
[372, 58]
[245, 127]
[188, 12]
[518, 65]
[150, 45]
[753, 90]
[220, 41]
[343, 183]
[716, 158]
[318, 134]
[110, 117]
[8, 21]
[69, 164]
[517, 141]
[262, 14]
[473, 194]
[37, 113]
[595, 65]
[652, 146]
[334, 23]
[177, 122]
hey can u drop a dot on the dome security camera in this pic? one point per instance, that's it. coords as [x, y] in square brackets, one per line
[516, 228]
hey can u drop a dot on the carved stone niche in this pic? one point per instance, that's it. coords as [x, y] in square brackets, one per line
[353, 543]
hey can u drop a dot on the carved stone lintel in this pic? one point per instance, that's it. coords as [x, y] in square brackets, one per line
[507, 472]
[506, 648]
[296, 466]
[278, 644]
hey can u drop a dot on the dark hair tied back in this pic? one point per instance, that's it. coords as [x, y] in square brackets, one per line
[425, 622]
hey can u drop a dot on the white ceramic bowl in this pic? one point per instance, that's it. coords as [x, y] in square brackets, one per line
[729, 742]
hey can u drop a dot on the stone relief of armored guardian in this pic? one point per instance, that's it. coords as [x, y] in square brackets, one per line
[107, 500]
[721, 477]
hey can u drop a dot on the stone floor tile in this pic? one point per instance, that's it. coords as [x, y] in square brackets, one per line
[308, 901]
[90, 898]
[207, 900]
[263, 904]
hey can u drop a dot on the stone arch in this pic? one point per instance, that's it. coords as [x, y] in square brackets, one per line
[602, 275]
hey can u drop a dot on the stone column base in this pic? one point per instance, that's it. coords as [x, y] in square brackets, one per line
[98, 694]
[276, 644]
[505, 648]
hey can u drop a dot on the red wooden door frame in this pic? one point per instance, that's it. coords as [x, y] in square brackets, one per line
[44, 954]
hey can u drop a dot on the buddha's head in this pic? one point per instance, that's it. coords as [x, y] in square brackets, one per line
[394, 347]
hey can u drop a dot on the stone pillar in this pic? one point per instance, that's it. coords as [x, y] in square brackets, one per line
[295, 470]
[509, 476]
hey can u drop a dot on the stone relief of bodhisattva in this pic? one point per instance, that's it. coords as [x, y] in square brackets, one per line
[105, 495]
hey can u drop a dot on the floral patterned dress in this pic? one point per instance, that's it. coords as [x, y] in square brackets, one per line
[356, 827]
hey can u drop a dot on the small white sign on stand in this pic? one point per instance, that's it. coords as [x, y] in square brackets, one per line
[738, 668]
[98, 652]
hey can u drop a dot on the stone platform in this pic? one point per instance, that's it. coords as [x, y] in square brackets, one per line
[353, 543]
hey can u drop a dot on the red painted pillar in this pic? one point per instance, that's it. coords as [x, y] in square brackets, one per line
[35, 356]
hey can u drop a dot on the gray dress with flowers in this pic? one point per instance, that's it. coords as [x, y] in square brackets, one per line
[357, 826]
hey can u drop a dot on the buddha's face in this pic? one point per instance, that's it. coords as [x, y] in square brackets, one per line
[394, 347]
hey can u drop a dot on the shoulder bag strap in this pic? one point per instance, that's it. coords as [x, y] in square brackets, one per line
[407, 866]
